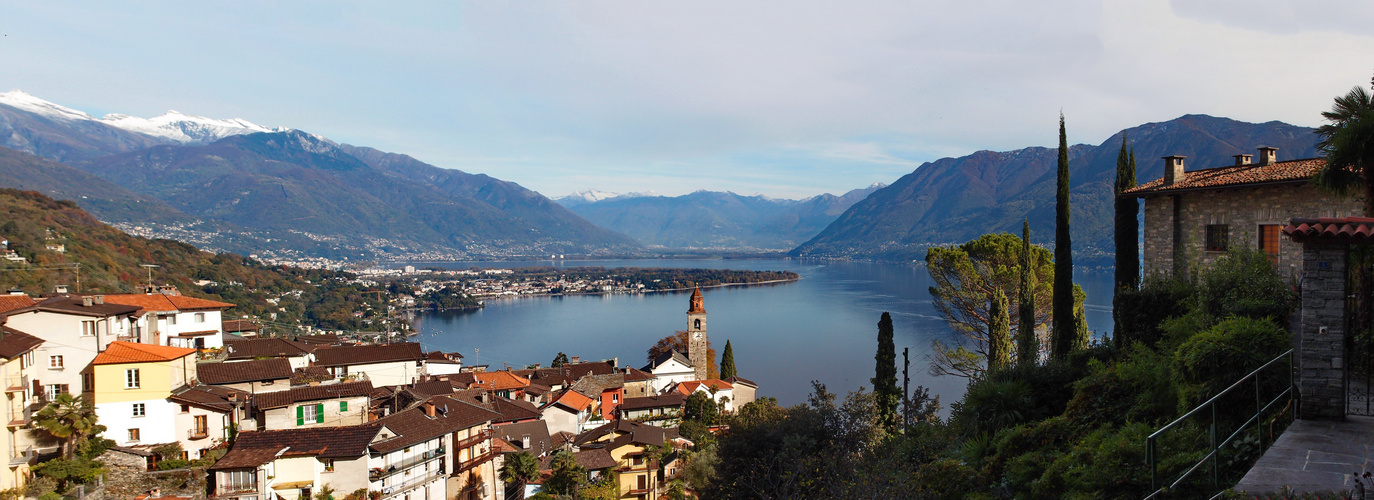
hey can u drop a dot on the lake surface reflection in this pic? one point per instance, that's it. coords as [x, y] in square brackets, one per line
[823, 327]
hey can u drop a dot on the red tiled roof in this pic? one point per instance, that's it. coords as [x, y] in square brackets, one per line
[129, 352]
[11, 302]
[14, 343]
[256, 348]
[252, 449]
[688, 388]
[1292, 171]
[500, 380]
[573, 400]
[664, 401]
[278, 399]
[413, 425]
[233, 372]
[161, 303]
[367, 354]
[238, 325]
[1333, 230]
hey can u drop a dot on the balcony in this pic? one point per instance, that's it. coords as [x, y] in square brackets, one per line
[413, 482]
[197, 433]
[234, 489]
[27, 455]
[482, 436]
[466, 465]
[16, 383]
[378, 474]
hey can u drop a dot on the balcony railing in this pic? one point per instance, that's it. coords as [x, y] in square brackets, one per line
[16, 383]
[421, 479]
[197, 433]
[377, 474]
[465, 465]
[227, 489]
[484, 435]
[26, 455]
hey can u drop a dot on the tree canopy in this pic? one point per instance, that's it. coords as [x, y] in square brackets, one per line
[1347, 141]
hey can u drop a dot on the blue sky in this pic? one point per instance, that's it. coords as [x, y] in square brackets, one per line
[781, 98]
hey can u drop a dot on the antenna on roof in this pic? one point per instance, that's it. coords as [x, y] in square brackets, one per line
[149, 267]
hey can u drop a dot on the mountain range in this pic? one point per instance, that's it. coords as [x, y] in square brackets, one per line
[953, 200]
[711, 219]
[306, 194]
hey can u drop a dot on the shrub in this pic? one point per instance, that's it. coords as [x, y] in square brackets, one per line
[1107, 463]
[1051, 384]
[1244, 283]
[1140, 311]
[1212, 360]
[946, 478]
[990, 405]
[1140, 388]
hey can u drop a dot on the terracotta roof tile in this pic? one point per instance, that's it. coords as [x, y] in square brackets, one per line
[308, 374]
[512, 410]
[500, 380]
[669, 400]
[689, 387]
[572, 400]
[413, 425]
[537, 431]
[75, 305]
[233, 372]
[238, 325]
[365, 354]
[11, 302]
[165, 303]
[210, 396]
[14, 343]
[254, 448]
[129, 352]
[256, 348]
[1230, 176]
[1334, 230]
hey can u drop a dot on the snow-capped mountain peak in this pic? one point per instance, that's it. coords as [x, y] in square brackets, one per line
[25, 101]
[172, 126]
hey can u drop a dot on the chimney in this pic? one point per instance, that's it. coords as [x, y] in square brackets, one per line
[1268, 155]
[525, 441]
[575, 359]
[486, 397]
[98, 299]
[1242, 159]
[1173, 169]
[86, 301]
[429, 409]
[16, 291]
[155, 493]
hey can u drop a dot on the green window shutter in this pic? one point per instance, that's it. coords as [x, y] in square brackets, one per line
[319, 413]
[300, 415]
[343, 406]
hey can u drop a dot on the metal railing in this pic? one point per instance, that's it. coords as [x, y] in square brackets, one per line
[396, 468]
[200, 433]
[16, 383]
[1214, 446]
[412, 482]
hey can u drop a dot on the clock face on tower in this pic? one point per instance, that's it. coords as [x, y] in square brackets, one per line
[696, 335]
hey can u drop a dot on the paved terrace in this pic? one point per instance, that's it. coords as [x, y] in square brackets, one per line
[1314, 456]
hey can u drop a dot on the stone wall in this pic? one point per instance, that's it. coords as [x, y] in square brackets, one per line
[1243, 211]
[1321, 346]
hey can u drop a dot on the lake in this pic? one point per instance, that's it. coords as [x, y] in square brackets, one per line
[823, 327]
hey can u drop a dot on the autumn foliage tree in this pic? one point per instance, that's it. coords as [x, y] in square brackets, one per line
[678, 342]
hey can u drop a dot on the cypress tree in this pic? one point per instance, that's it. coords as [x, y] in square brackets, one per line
[1127, 244]
[885, 373]
[727, 362]
[1027, 346]
[1062, 336]
[1082, 336]
[999, 332]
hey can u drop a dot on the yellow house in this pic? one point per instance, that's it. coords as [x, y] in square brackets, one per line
[628, 444]
[132, 385]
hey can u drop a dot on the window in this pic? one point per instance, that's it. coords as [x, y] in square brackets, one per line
[140, 409]
[615, 397]
[310, 414]
[87, 382]
[88, 327]
[27, 361]
[241, 480]
[186, 408]
[51, 391]
[643, 482]
[638, 460]
[202, 426]
[171, 320]
[328, 465]
[343, 406]
[200, 317]
[55, 361]
[1269, 241]
[131, 379]
[133, 434]
[1217, 237]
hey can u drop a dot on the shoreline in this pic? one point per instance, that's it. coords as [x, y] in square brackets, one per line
[625, 292]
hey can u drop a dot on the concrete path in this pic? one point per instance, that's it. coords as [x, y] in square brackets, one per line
[1315, 456]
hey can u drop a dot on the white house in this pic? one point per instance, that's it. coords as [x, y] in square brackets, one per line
[74, 330]
[168, 318]
[387, 364]
[204, 414]
[669, 369]
[134, 384]
[720, 391]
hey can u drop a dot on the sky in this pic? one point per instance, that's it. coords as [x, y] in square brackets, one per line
[786, 99]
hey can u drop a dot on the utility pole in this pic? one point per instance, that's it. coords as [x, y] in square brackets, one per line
[906, 394]
[149, 267]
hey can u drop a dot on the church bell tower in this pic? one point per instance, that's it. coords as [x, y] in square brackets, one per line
[697, 341]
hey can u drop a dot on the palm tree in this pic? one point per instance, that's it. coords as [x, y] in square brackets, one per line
[519, 469]
[1348, 143]
[70, 419]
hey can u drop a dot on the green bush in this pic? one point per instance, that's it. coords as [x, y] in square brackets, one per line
[990, 405]
[1214, 359]
[1109, 463]
[1244, 283]
[1051, 384]
[946, 478]
[1140, 388]
[1140, 311]
[1023, 452]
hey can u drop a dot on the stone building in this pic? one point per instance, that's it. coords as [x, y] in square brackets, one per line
[1194, 217]
[698, 343]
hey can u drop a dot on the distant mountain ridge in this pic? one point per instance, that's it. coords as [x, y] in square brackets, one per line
[953, 200]
[712, 219]
[259, 186]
